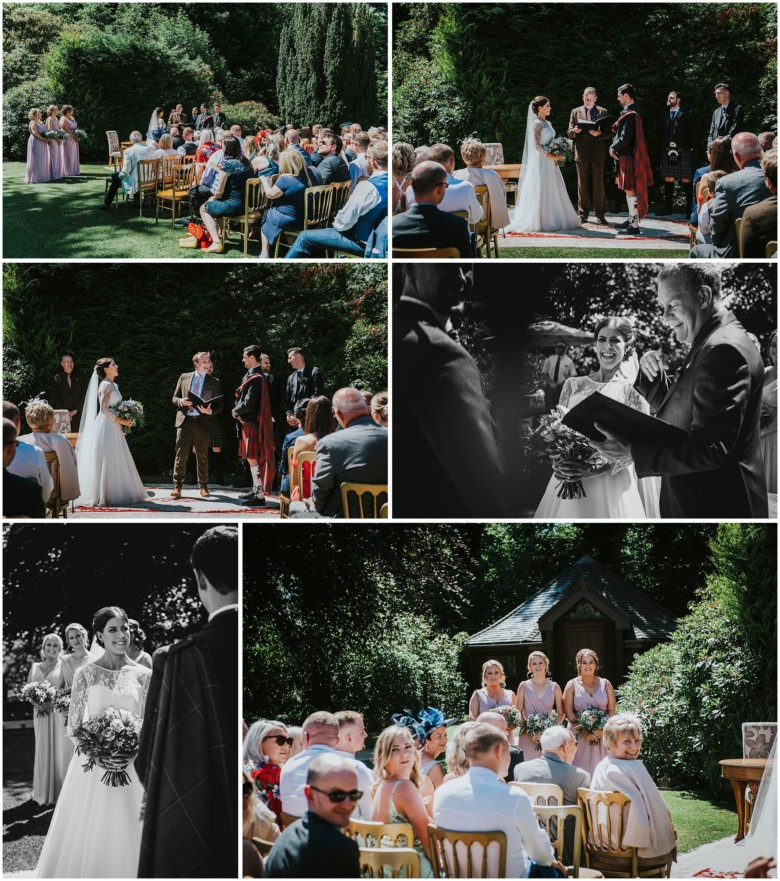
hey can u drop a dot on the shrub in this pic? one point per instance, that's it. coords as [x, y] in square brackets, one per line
[250, 115]
[17, 102]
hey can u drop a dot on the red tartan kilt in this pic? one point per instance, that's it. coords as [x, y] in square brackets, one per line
[249, 442]
[625, 173]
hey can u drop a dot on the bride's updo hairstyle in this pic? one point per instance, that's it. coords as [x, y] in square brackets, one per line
[103, 616]
[102, 364]
[625, 329]
[539, 101]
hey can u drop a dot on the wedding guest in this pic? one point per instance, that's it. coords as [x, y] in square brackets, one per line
[40, 417]
[207, 147]
[127, 178]
[332, 168]
[728, 118]
[55, 147]
[257, 820]
[188, 147]
[435, 730]
[193, 115]
[38, 151]
[493, 692]
[21, 497]
[556, 369]
[590, 154]
[292, 141]
[238, 133]
[49, 769]
[380, 409]
[473, 153]
[296, 732]
[647, 824]
[678, 135]
[767, 141]
[252, 411]
[403, 163]
[219, 117]
[395, 795]
[315, 846]
[203, 119]
[586, 691]
[29, 461]
[759, 222]
[352, 740]
[135, 650]
[769, 416]
[516, 756]
[633, 172]
[358, 167]
[459, 195]
[720, 158]
[70, 146]
[289, 440]
[230, 195]
[287, 198]
[705, 198]
[455, 756]
[266, 749]
[165, 147]
[319, 422]
[266, 159]
[538, 695]
[176, 138]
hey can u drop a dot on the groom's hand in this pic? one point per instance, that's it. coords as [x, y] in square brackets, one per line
[652, 363]
[613, 447]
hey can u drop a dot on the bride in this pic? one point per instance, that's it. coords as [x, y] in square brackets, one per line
[96, 829]
[611, 490]
[107, 473]
[543, 204]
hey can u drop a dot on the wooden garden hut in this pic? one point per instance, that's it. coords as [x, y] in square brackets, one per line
[586, 606]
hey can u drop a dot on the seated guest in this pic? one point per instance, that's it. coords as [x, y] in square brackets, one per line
[207, 147]
[299, 418]
[315, 846]
[21, 496]
[40, 417]
[305, 134]
[767, 141]
[759, 222]
[287, 196]
[435, 730]
[423, 225]
[352, 739]
[720, 158]
[358, 167]
[292, 140]
[332, 168]
[358, 454]
[480, 801]
[266, 749]
[251, 861]
[127, 177]
[249, 148]
[395, 794]
[403, 163]
[354, 223]
[165, 147]
[318, 423]
[705, 197]
[380, 409]
[266, 160]
[455, 756]
[29, 461]
[490, 717]
[238, 133]
[647, 824]
[733, 194]
[229, 196]
[188, 147]
[459, 195]
[257, 821]
[474, 153]
[176, 138]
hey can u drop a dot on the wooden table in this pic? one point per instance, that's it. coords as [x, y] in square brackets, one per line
[742, 772]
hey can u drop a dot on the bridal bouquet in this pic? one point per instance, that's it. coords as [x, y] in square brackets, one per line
[62, 702]
[591, 720]
[536, 723]
[110, 740]
[40, 695]
[561, 147]
[511, 716]
[556, 442]
[132, 410]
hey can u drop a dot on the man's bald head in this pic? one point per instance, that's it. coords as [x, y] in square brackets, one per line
[494, 719]
[427, 182]
[349, 404]
[746, 147]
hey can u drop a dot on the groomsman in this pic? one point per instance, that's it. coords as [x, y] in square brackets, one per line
[728, 118]
[304, 382]
[252, 411]
[68, 390]
[678, 135]
[590, 154]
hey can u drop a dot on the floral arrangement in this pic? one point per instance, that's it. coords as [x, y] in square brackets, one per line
[40, 695]
[132, 410]
[592, 719]
[536, 723]
[110, 740]
[80, 133]
[62, 702]
[511, 715]
[55, 134]
[555, 442]
[561, 147]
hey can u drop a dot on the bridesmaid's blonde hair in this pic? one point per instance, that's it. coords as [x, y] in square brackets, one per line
[546, 660]
[494, 664]
[581, 654]
[34, 111]
[56, 637]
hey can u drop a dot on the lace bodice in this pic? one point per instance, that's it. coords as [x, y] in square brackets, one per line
[577, 388]
[109, 396]
[543, 134]
[95, 689]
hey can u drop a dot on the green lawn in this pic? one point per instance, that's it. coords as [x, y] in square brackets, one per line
[601, 253]
[64, 220]
[698, 820]
[24, 823]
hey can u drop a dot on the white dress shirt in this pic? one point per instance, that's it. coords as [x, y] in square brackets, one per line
[30, 462]
[230, 607]
[566, 369]
[365, 782]
[358, 168]
[293, 779]
[459, 196]
[481, 802]
[364, 197]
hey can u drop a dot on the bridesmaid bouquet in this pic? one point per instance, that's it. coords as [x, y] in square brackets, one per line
[536, 723]
[55, 134]
[591, 720]
[62, 702]
[561, 147]
[111, 740]
[555, 442]
[80, 133]
[511, 716]
[132, 410]
[41, 695]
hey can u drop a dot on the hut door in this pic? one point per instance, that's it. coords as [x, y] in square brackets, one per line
[576, 635]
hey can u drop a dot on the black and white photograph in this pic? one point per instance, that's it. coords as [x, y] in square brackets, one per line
[120, 700]
[585, 391]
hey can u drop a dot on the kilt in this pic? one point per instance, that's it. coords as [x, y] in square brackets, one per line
[249, 440]
[217, 437]
[678, 170]
[624, 171]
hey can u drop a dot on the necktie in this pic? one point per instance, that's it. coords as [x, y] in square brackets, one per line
[70, 384]
[557, 370]
[592, 113]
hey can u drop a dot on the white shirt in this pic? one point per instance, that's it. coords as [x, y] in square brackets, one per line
[364, 197]
[459, 196]
[358, 168]
[499, 214]
[230, 607]
[481, 802]
[365, 782]
[566, 369]
[30, 462]
[293, 779]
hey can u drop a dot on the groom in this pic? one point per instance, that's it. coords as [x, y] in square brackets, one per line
[187, 758]
[633, 172]
[194, 422]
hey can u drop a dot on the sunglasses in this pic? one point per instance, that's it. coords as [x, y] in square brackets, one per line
[338, 795]
[280, 739]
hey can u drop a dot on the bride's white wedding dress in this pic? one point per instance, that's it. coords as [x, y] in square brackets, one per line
[96, 829]
[612, 494]
[107, 473]
[543, 204]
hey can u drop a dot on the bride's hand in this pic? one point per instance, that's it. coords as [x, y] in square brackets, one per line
[128, 423]
[570, 469]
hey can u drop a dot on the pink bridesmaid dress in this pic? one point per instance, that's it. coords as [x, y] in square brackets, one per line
[533, 704]
[70, 149]
[55, 149]
[50, 760]
[38, 163]
[588, 755]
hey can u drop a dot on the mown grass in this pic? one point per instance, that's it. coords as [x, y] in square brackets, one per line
[588, 253]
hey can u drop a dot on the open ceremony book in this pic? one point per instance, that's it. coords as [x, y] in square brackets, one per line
[197, 401]
[619, 419]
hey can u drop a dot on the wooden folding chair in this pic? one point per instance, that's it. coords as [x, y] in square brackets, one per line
[510, 174]
[467, 854]
[487, 237]
[114, 150]
[770, 249]
[541, 793]
[147, 172]
[255, 204]
[341, 194]
[56, 506]
[387, 862]
[316, 215]
[377, 493]
[426, 253]
[182, 179]
[369, 833]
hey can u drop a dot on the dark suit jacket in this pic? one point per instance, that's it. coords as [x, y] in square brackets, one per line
[305, 153]
[358, 454]
[218, 120]
[203, 120]
[306, 386]
[716, 471]
[312, 848]
[333, 170]
[21, 496]
[625, 133]
[446, 461]
[64, 397]
[684, 135]
[425, 226]
[727, 120]
[733, 194]
[515, 753]
[587, 147]
[759, 226]
[211, 388]
[247, 405]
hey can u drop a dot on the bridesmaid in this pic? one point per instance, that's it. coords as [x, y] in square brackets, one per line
[136, 651]
[77, 655]
[588, 690]
[38, 151]
[55, 147]
[70, 146]
[49, 771]
[538, 694]
[493, 693]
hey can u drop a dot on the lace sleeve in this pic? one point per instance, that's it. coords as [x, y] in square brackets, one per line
[566, 394]
[78, 699]
[538, 129]
[628, 395]
[105, 396]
